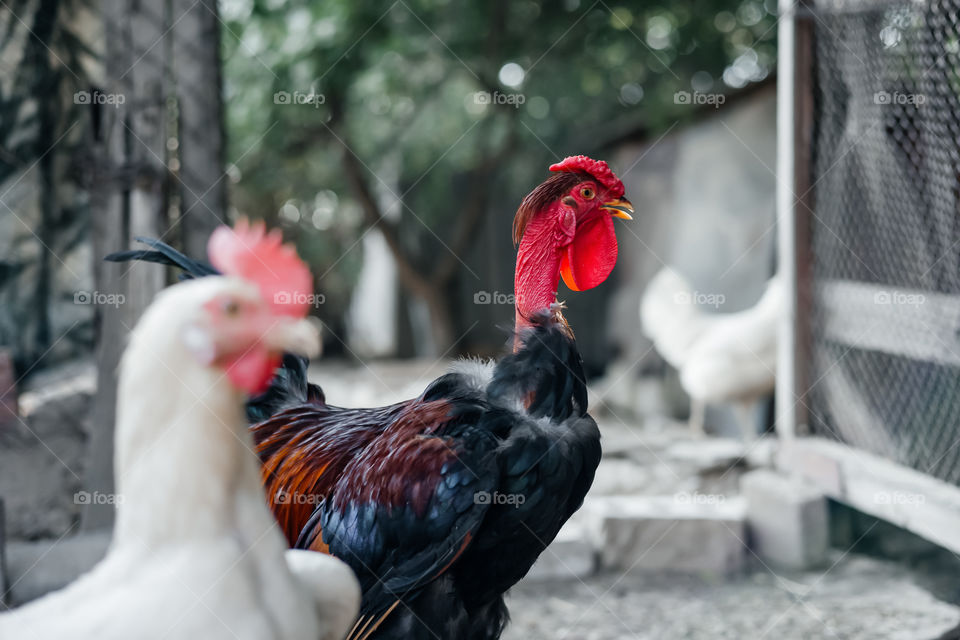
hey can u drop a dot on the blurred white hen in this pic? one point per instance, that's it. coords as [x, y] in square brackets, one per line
[721, 358]
[195, 552]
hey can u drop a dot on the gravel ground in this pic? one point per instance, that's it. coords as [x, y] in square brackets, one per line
[858, 598]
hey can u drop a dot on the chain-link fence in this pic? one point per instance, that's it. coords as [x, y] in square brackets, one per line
[884, 365]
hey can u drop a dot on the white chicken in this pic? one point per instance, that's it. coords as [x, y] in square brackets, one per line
[196, 552]
[721, 358]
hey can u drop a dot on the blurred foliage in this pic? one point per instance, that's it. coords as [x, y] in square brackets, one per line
[397, 83]
[42, 57]
[43, 60]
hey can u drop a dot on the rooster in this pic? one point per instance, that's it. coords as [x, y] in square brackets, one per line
[196, 553]
[441, 503]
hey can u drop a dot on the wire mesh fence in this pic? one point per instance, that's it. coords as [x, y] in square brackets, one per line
[884, 366]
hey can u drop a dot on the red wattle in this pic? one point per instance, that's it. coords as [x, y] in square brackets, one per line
[253, 370]
[566, 272]
[591, 256]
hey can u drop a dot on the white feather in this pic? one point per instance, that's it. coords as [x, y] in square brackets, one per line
[335, 590]
[721, 357]
[476, 372]
[667, 318]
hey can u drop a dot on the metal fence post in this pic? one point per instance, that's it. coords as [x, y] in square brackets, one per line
[794, 202]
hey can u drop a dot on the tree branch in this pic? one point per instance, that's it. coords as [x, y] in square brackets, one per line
[470, 216]
[359, 186]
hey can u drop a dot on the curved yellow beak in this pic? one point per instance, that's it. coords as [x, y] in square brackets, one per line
[619, 208]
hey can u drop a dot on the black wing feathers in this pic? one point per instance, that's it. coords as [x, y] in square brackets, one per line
[400, 519]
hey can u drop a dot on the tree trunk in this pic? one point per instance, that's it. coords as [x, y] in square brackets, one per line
[128, 199]
[107, 207]
[441, 321]
[45, 86]
[196, 73]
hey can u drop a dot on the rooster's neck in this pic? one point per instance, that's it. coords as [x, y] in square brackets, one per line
[537, 275]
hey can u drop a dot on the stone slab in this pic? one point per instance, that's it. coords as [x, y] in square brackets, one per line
[690, 533]
[787, 519]
[570, 556]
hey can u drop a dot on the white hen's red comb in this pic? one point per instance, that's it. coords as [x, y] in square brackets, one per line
[249, 252]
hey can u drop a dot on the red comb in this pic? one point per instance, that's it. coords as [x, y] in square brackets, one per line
[597, 168]
[249, 252]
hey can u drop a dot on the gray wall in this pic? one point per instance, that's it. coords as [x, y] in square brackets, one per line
[704, 197]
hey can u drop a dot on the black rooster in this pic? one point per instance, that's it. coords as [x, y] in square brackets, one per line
[441, 503]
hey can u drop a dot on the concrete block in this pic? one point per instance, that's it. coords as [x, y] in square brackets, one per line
[762, 452]
[686, 533]
[787, 520]
[41, 457]
[571, 555]
[37, 568]
[708, 454]
[622, 477]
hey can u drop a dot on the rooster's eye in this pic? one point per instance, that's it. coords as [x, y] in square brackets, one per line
[586, 193]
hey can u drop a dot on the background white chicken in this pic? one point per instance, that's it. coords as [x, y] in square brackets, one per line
[721, 357]
[196, 552]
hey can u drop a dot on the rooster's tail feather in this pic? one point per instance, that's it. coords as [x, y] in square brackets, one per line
[366, 625]
[162, 253]
[289, 386]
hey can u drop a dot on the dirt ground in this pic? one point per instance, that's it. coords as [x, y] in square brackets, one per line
[858, 598]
